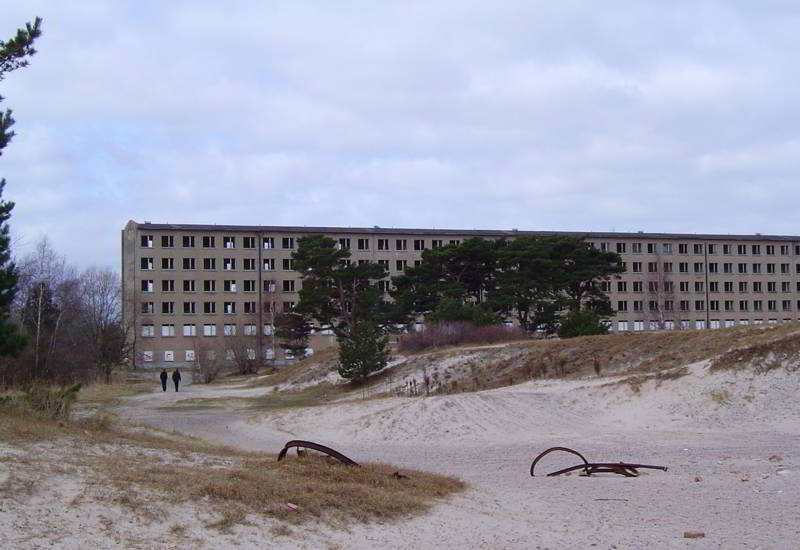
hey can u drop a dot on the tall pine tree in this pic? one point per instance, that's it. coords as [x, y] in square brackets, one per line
[14, 54]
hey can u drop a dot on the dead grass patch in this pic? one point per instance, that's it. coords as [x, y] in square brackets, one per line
[720, 397]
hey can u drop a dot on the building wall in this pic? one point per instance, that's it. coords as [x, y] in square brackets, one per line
[671, 281]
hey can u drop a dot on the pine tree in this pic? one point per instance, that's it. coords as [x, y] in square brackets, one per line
[14, 54]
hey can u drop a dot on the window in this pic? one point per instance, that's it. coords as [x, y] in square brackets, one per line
[209, 308]
[188, 241]
[636, 248]
[168, 308]
[383, 244]
[638, 286]
[713, 286]
[287, 243]
[168, 285]
[742, 268]
[638, 305]
[784, 249]
[756, 249]
[288, 306]
[248, 242]
[713, 305]
[249, 329]
[756, 268]
[229, 330]
[666, 248]
[669, 286]
[699, 324]
[728, 286]
[713, 268]
[249, 285]
[604, 247]
[683, 267]
[344, 243]
[190, 355]
[684, 286]
[620, 248]
[758, 305]
[637, 267]
[268, 242]
[188, 308]
[757, 286]
[684, 305]
[669, 305]
[400, 244]
[742, 286]
[772, 305]
[605, 286]
[622, 326]
[229, 264]
[622, 286]
[363, 262]
[683, 248]
[209, 264]
[770, 269]
[699, 286]
[743, 305]
[784, 269]
[638, 326]
[168, 330]
[363, 244]
[208, 242]
[741, 249]
[229, 308]
[188, 264]
[667, 267]
[698, 267]
[167, 241]
[288, 286]
[400, 265]
[384, 286]
[209, 329]
[147, 307]
[148, 331]
[249, 264]
[146, 264]
[190, 330]
[288, 264]
[727, 268]
[147, 286]
[699, 305]
[712, 248]
[169, 356]
[455, 242]
[726, 249]
[384, 264]
[622, 305]
[419, 244]
[436, 243]
[167, 263]
[652, 267]
[147, 241]
[269, 286]
[250, 307]
[209, 285]
[228, 242]
[728, 305]
[771, 287]
[269, 264]
[229, 285]
[785, 287]
[652, 305]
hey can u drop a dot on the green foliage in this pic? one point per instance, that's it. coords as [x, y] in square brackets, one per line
[581, 323]
[449, 309]
[52, 402]
[14, 54]
[363, 352]
[294, 330]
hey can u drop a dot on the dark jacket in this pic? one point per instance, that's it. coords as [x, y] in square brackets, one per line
[164, 376]
[176, 376]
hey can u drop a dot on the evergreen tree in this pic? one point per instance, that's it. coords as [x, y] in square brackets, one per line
[294, 330]
[14, 53]
[363, 352]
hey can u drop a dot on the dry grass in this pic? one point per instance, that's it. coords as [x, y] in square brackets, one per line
[144, 469]
[720, 397]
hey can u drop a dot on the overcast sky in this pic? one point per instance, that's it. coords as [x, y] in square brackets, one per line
[655, 116]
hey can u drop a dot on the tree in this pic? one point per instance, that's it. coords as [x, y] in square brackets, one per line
[14, 54]
[105, 338]
[294, 330]
[581, 323]
[363, 352]
[241, 349]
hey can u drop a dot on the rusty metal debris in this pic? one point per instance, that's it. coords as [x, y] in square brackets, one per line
[300, 445]
[589, 468]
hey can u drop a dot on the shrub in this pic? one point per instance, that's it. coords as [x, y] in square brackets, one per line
[454, 333]
[581, 323]
[52, 402]
[364, 351]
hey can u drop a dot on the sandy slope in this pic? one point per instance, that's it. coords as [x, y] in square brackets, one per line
[719, 427]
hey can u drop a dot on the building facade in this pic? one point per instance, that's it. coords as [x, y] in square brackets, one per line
[190, 289]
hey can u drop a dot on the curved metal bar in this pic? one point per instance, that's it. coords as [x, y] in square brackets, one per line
[608, 467]
[564, 449]
[317, 447]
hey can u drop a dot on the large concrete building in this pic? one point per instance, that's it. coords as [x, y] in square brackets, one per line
[192, 289]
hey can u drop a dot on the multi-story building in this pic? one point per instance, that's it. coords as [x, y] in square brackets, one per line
[190, 288]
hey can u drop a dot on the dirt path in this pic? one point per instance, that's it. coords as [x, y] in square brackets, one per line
[742, 500]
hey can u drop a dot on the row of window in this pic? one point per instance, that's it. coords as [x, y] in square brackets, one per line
[713, 267]
[249, 264]
[700, 305]
[232, 286]
[696, 248]
[211, 355]
[668, 287]
[287, 243]
[167, 330]
[210, 308]
[687, 324]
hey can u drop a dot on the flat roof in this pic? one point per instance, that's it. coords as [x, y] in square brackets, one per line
[375, 230]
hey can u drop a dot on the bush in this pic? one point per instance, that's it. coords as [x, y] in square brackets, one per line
[581, 323]
[52, 402]
[452, 310]
[363, 352]
[455, 333]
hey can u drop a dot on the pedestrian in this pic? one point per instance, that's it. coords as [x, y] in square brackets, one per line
[176, 377]
[164, 379]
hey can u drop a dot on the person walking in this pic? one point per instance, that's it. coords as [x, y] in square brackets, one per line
[164, 379]
[176, 377]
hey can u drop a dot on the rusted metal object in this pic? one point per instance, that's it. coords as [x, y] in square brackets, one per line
[300, 444]
[621, 468]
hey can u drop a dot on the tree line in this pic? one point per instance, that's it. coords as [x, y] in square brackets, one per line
[545, 284]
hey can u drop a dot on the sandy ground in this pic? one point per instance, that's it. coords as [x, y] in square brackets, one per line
[715, 432]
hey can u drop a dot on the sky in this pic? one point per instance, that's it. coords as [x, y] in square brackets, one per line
[677, 116]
